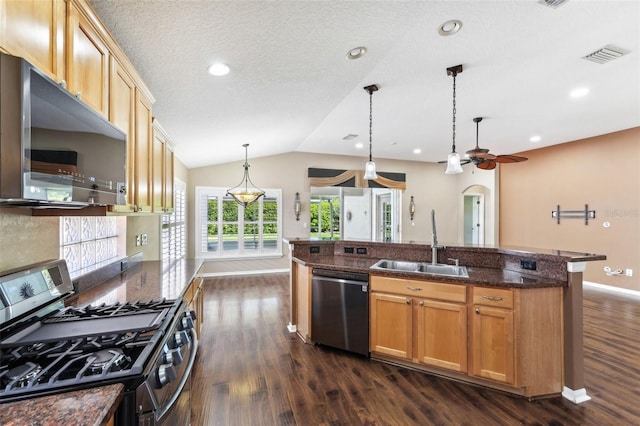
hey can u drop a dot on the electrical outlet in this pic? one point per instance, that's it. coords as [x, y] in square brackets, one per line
[528, 264]
[138, 241]
[628, 272]
[144, 239]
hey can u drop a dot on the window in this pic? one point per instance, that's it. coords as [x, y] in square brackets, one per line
[227, 229]
[86, 241]
[174, 232]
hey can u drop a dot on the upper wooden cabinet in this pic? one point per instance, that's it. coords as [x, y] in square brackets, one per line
[34, 30]
[162, 166]
[122, 103]
[143, 178]
[87, 61]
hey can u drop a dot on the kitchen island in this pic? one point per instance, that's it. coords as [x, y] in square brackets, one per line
[514, 324]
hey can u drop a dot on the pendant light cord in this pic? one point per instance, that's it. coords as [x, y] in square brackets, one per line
[370, 124]
[453, 148]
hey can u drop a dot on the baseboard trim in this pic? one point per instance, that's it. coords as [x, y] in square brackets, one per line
[612, 289]
[576, 396]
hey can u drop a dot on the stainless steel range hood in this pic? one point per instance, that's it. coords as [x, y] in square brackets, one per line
[55, 151]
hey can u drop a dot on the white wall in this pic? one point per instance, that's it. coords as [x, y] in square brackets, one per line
[431, 188]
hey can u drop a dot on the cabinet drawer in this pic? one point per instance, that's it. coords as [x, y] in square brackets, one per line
[427, 289]
[498, 297]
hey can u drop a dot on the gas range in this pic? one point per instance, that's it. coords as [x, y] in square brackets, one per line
[46, 348]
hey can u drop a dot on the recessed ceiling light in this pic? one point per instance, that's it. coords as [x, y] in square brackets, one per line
[359, 145]
[579, 92]
[450, 27]
[356, 52]
[219, 69]
[417, 151]
[535, 138]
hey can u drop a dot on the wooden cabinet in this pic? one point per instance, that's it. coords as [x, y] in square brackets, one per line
[122, 103]
[34, 30]
[442, 334]
[390, 324]
[142, 182]
[492, 338]
[87, 61]
[301, 312]
[162, 166]
[194, 295]
[419, 320]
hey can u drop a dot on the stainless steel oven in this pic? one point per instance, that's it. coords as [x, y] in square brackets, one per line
[47, 348]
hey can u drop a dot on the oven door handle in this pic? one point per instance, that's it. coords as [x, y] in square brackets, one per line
[183, 380]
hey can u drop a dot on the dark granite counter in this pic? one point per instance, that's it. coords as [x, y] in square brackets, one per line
[80, 408]
[493, 277]
[489, 266]
[141, 281]
[144, 281]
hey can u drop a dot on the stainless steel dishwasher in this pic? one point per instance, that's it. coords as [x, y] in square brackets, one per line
[340, 310]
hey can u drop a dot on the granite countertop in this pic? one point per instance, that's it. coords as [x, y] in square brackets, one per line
[147, 280]
[79, 408]
[477, 275]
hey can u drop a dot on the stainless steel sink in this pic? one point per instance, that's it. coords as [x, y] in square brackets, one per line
[422, 268]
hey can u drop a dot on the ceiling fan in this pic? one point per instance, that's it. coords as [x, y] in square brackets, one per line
[481, 157]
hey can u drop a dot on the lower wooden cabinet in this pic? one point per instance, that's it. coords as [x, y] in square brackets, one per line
[442, 334]
[391, 324]
[421, 321]
[506, 338]
[194, 295]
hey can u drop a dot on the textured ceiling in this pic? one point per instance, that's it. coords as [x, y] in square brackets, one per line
[291, 87]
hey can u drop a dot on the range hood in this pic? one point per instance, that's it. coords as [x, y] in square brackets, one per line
[55, 151]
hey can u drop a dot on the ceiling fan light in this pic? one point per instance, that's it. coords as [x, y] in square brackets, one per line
[370, 171]
[453, 164]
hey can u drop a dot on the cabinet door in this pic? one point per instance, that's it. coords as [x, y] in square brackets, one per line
[122, 101]
[158, 172]
[492, 342]
[143, 178]
[87, 62]
[390, 325]
[34, 30]
[442, 334]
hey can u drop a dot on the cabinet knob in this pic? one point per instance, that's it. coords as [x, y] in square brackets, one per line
[408, 301]
[478, 311]
[421, 303]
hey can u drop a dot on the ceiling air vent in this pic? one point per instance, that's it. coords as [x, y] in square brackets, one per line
[349, 137]
[606, 54]
[553, 3]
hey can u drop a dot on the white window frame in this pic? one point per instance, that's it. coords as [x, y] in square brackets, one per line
[201, 222]
[175, 224]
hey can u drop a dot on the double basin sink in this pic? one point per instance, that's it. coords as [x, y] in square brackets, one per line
[421, 268]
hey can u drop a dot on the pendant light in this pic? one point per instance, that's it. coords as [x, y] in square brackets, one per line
[370, 167]
[245, 192]
[453, 161]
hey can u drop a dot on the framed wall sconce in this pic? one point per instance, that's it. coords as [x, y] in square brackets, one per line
[412, 209]
[297, 206]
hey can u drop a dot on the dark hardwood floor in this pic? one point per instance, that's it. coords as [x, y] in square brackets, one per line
[252, 371]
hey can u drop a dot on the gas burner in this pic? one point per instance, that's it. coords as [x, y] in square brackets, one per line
[108, 360]
[20, 376]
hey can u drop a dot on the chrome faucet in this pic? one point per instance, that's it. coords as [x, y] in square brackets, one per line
[434, 239]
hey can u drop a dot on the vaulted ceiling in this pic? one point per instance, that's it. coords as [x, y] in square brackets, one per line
[291, 87]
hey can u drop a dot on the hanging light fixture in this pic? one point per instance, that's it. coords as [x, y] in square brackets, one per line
[370, 167]
[245, 192]
[453, 161]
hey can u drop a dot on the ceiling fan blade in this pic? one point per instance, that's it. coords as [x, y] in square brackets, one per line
[483, 155]
[463, 161]
[510, 158]
[486, 165]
